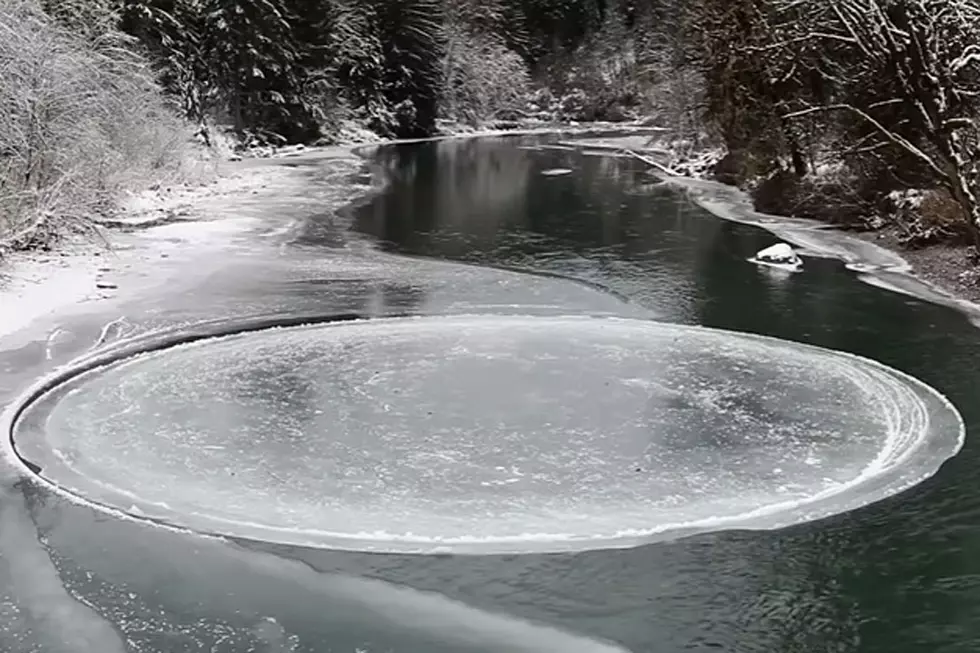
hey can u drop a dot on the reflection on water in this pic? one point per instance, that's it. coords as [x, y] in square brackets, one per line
[486, 202]
[891, 577]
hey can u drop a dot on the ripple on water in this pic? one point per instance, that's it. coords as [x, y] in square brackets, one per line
[486, 434]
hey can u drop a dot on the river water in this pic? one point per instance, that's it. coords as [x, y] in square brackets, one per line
[460, 228]
[895, 576]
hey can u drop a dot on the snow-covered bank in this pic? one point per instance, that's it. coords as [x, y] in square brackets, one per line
[942, 274]
[874, 264]
[671, 156]
[186, 221]
[169, 231]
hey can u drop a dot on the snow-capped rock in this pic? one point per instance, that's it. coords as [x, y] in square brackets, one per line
[779, 255]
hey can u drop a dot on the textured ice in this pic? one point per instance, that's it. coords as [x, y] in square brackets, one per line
[482, 433]
[39, 611]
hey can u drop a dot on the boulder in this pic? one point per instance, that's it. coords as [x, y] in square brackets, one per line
[779, 255]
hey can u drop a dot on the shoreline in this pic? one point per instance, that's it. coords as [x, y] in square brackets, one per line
[939, 273]
[945, 266]
[191, 220]
[201, 217]
[873, 261]
[159, 236]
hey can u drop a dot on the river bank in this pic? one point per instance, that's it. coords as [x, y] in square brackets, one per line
[157, 233]
[945, 268]
[162, 233]
[187, 221]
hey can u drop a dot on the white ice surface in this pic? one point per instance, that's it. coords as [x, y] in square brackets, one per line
[40, 285]
[478, 433]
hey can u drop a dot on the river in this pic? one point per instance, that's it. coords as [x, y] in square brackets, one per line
[506, 227]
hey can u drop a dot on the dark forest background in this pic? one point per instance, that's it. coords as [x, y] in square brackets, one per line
[851, 111]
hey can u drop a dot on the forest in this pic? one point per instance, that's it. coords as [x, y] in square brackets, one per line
[857, 112]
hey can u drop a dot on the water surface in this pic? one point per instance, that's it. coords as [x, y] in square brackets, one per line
[475, 227]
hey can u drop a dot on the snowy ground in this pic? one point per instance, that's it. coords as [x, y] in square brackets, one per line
[164, 232]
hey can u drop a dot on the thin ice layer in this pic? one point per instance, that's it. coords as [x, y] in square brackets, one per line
[485, 433]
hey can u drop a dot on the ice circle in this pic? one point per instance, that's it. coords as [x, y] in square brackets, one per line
[481, 434]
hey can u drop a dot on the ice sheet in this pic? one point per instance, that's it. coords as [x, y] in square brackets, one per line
[483, 433]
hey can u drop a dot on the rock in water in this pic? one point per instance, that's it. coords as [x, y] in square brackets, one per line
[779, 255]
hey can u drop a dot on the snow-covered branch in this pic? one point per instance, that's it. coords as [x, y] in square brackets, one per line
[886, 133]
[907, 73]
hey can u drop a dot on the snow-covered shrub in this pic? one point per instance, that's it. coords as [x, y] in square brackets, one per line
[483, 80]
[926, 216]
[81, 118]
[831, 195]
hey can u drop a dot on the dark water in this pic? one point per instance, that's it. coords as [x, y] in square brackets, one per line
[901, 575]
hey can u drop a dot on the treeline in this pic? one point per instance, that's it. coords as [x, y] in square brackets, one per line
[849, 109]
[845, 111]
[99, 94]
[292, 70]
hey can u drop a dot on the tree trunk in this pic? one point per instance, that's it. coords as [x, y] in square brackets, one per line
[971, 209]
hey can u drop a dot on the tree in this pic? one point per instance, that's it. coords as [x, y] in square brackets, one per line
[928, 53]
[481, 76]
[254, 54]
[751, 80]
[410, 32]
[90, 19]
[171, 32]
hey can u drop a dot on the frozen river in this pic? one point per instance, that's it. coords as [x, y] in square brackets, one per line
[478, 413]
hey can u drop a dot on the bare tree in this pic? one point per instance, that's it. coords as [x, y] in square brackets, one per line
[906, 70]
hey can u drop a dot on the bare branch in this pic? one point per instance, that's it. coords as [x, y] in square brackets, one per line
[891, 136]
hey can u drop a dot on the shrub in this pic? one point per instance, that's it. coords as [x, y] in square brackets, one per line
[81, 118]
[926, 217]
[831, 194]
[483, 80]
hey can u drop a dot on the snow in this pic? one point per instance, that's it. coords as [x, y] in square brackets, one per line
[780, 255]
[178, 223]
[907, 199]
[37, 286]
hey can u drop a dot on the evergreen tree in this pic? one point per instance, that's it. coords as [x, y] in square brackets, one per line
[357, 61]
[251, 46]
[553, 26]
[171, 30]
[410, 32]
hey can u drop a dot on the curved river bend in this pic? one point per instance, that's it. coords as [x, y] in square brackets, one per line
[512, 364]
